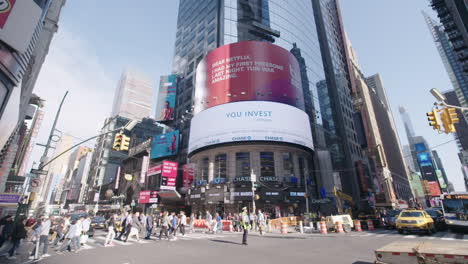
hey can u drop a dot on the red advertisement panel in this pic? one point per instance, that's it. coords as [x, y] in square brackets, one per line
[169, 175]
[435, 188]
[154, 170]
[5, 10]
[248, 71]
[188, 171]
[144, 197]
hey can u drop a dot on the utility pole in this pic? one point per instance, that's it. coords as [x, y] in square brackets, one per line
[46, 152]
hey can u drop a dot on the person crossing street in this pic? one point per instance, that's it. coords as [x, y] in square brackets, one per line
[165, 224]
[261, 222]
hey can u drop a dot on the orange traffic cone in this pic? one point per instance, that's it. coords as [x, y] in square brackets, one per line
[357, 226]
[323, 227]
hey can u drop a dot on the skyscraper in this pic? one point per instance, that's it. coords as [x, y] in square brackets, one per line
[312, 31]
[133, 98]
[409, 129]
[390, 138]
[456, 67]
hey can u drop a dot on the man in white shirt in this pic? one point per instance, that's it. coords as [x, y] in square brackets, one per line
[85, 226]
[43, 237]
[183, 222]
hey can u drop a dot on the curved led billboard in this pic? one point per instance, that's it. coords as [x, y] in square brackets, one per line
[250, 121]
[248, 71]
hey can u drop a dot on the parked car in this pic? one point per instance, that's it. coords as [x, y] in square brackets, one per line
[415, 221]
[438, 217]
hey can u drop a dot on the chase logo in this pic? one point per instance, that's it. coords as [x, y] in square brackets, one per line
[5, 6]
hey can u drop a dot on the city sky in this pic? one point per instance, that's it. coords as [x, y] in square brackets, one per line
[96, 41]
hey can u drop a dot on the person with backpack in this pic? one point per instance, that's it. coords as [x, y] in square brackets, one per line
[19, 232]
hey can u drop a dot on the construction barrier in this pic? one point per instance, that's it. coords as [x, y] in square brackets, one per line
[323, 227]
[227, 225]
[370, 225]
[357, 226]
[339, 227]
[284, 228]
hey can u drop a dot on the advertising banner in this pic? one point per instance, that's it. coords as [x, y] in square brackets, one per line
[169, 175]
[425, 159]
[144, 197]
[440, 177]
[188, 172]
[434, 187]
[18, 20]
[9, 198]
[165, 145]
[166, 98]
[250, 121]
[144, 169]
[248, 71]
[154, 170]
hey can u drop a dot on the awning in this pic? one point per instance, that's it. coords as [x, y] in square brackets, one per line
[170, 196]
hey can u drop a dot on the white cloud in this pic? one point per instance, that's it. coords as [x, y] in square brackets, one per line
[73, 65]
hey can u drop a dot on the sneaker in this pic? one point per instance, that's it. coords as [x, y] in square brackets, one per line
[59, 252]
[45, 255]
[11, 257]
[31, 257]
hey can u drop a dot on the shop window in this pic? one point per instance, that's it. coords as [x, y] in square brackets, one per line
[267, 164]
[243, 164]
[288, 165]
[221, 166]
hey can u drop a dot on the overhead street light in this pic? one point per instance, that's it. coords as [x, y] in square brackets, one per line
[438, 95]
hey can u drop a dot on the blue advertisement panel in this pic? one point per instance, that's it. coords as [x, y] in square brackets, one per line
[424, 159]
[420, 147]
[165, 145]
[165, 106]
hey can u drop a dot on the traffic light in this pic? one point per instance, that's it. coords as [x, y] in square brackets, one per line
[125, 143]
[434, 120]
[118, 141]
[449, 118]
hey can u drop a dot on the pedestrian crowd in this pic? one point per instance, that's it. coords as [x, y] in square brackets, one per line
[70, 233]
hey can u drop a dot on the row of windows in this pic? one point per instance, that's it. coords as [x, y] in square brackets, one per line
[243, 166]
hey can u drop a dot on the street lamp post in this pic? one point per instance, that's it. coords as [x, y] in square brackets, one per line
[442, 100]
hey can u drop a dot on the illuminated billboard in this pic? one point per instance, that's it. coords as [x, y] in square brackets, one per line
[165, 145]
[250, 121]
[424, 159]
[248, 71]
[165, 106]
[420, 147]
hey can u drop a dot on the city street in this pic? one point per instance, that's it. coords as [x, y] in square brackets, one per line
[272, 248]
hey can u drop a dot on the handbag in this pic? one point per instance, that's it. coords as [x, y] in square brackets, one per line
[83, 239]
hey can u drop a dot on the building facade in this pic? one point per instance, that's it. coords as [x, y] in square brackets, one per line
[320, 50]
[133, 98]
[454, 59]
[390, 139]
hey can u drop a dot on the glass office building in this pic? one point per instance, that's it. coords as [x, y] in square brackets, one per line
[204, 25]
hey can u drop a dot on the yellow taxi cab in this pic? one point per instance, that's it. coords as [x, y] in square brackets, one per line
[415, 221]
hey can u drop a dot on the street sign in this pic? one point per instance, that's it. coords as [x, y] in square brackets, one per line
[35, 182]
[39, 172]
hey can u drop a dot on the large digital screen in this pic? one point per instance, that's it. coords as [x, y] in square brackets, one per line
[250, 121]
[424, 159]
[165, 106]
[248, 71]
[420, 147]
[165, 145]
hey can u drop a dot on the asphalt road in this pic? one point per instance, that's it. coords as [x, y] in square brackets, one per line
[226, 248]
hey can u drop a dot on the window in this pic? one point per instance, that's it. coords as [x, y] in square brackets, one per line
[220, 166]
[205, 166]
[243, 164]
[288, 166]
[301, 170]
[267, 164]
